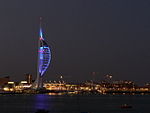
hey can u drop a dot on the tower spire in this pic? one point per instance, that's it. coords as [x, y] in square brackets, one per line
[40, 21]
[41, 33]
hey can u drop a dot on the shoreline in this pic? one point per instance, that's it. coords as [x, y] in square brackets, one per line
[79, 93]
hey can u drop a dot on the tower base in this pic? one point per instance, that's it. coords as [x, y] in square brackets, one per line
[38, 84]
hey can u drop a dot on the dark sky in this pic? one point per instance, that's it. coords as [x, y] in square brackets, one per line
[103, 36]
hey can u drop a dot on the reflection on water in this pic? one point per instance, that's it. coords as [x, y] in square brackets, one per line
[74, 104]
[41, 102]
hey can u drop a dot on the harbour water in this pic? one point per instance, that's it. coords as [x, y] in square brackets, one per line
[74, 104]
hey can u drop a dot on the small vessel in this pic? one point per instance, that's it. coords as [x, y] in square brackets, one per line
[126, 106]
[42, 111]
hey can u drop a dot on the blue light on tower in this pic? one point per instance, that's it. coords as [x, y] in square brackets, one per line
[44, 58]
[44, 55]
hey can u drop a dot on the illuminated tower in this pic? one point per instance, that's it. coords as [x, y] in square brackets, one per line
[44, 57]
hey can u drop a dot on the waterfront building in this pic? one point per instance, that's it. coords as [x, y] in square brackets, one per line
[28, 78]
[44, 57]
[4, 81]
[9, 86]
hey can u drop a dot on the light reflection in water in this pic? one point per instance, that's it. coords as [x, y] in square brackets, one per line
[41, 102]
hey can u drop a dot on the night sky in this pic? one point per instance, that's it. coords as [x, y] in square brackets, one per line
[85, 36]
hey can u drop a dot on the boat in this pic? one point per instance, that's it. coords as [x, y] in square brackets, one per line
[125, 106]
[42, 111]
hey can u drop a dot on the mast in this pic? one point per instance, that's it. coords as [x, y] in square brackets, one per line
[38, 63]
